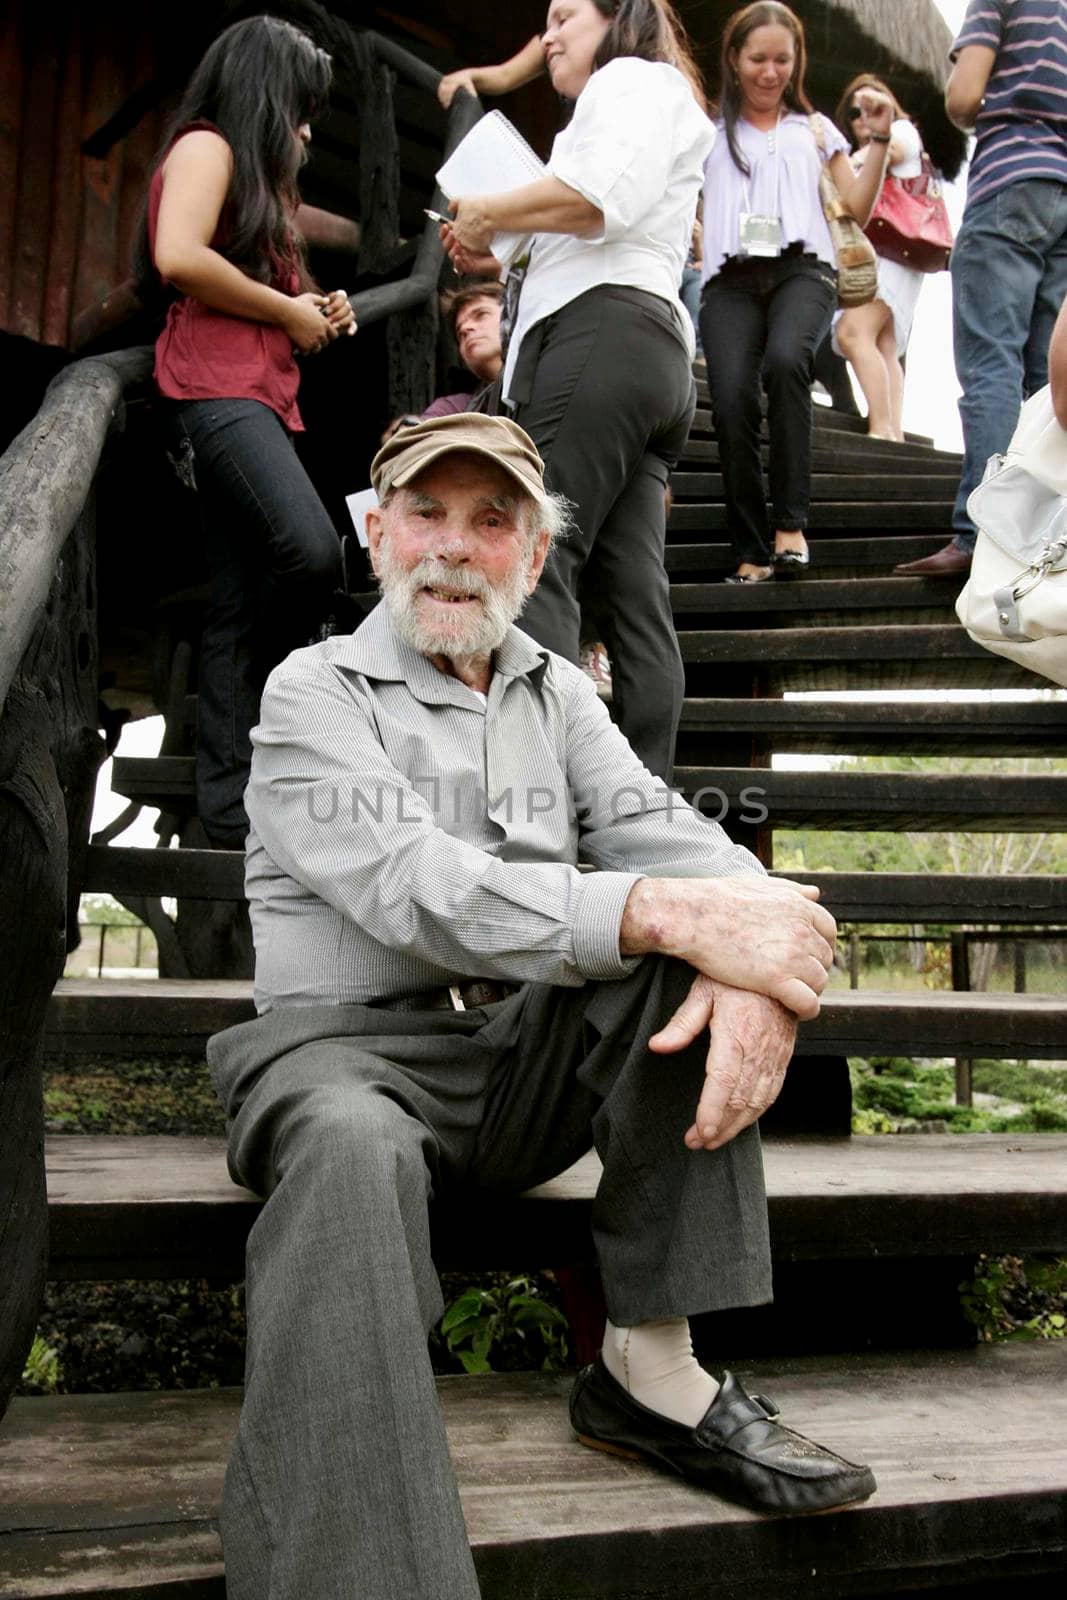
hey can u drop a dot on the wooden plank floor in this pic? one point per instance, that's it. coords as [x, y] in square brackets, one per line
[163, 1206]
[106, 1494]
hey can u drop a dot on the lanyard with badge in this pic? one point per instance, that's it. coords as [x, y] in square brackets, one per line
[759, 234]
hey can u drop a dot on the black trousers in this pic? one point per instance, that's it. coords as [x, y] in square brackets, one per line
[274, 560]
[611, 399]
[764, 320]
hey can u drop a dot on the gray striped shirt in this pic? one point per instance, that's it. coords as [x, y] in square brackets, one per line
[406, 835]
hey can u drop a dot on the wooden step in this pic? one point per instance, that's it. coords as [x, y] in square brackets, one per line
[903, 897]
[865, 517]
[924, 899]
[827, 423]
[163, 1206]
[876, 655]
[884, 488]
[826, 554]
[181, 874]
[168, 782]
[107, 1495]
[851, 727]
[802, 599]
[783, 799]
[167, 1016]
[864, 801]
[837, 451]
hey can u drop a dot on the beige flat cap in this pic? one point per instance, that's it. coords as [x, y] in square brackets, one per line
[414, 448]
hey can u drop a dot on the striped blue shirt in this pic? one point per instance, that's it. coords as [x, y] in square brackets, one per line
[1022, 125]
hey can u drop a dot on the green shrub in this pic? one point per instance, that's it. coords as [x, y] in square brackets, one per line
[509, 1321]
[42, 1373]
[884, 1094]
[1014, 1297]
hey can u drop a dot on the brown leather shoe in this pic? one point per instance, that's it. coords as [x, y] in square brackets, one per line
[950, 562]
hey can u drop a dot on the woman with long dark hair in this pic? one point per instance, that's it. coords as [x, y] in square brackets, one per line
[770, 285]
[221, 236]
[873, 338]
[598, 368]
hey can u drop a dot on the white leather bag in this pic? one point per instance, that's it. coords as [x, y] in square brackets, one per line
[1015, 601]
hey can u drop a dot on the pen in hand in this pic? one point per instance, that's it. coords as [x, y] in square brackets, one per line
[435, 216]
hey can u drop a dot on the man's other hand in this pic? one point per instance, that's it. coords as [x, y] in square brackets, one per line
[751, 1045]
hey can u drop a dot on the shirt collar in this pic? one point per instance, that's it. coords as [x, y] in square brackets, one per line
[376, 651]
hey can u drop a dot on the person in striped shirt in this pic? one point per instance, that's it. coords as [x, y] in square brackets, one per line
[1009, 265]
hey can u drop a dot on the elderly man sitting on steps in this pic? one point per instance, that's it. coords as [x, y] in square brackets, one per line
[446, 1000]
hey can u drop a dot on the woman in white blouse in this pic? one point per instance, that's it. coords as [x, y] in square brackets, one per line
[770, 285]
[598, 368]
[874, 337]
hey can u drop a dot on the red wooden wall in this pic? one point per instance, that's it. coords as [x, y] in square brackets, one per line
[66, 219]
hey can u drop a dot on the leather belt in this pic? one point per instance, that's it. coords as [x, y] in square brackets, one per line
[466, 996]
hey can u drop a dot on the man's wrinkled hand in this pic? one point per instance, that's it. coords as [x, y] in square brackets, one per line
[749, 931]
[750, 1048]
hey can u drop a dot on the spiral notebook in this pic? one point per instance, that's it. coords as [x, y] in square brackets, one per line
[491, 159]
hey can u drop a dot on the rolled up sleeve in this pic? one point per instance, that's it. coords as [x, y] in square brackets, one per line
[619, 153]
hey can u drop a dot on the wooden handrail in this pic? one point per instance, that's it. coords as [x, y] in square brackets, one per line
[372, 305]
[45, 477]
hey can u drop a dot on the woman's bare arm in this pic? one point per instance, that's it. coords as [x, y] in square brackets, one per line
[527, 64]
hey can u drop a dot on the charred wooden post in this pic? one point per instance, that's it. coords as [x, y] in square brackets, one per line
[411, 337]
[50, 749]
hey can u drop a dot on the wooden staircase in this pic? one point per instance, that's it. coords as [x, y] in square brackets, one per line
[117, 1495]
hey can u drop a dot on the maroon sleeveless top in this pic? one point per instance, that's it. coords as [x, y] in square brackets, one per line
[208, 355]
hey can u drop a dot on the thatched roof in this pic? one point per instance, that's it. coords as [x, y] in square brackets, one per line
[912, 31]
[904, 41]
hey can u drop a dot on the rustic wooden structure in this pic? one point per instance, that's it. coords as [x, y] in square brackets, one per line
[98, 1490]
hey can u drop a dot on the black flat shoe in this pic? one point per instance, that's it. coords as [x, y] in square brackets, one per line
[738, 1451]
[791, 563]
[751, 577]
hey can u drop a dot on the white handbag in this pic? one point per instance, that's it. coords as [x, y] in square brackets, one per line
[1015, 601]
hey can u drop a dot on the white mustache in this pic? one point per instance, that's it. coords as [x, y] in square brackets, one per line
[433, 574]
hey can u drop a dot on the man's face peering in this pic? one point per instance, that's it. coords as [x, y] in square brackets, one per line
[454, 556]
[478, 337]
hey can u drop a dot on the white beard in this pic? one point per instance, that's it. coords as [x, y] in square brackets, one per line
[476, 632]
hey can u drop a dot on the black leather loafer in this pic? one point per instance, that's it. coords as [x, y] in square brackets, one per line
[738, 1451]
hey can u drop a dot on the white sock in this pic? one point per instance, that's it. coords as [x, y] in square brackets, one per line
[654, 1362]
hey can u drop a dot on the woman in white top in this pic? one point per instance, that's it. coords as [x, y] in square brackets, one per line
[874, 337]
[770, 285]
[598, 368]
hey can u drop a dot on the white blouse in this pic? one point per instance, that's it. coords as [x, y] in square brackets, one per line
[784, 167]
[635, 148]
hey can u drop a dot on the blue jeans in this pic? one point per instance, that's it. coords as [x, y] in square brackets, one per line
[274, 561]
[1009, 279]
[689, 294]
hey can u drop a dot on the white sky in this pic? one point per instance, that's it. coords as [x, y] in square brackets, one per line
[931, 389]
[929, 407]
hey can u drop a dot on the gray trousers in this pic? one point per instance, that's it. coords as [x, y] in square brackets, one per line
[349, 1119]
